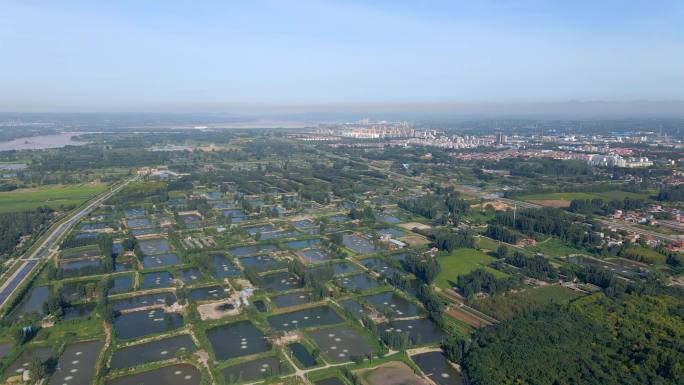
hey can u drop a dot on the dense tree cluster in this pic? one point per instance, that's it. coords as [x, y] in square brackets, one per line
[426, 269]
[502, 233]
[601, 207]
[449, 240]
[536, 267]
[549, 221]
[482, 281]
[671, 193]
[13, 226]
[595, 340]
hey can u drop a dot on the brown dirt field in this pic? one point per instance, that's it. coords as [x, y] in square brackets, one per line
[412, 225]
[467, 318]
[391, 373]
[557, 203]
[414, 240]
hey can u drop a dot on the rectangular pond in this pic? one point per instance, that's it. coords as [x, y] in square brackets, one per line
[209, 293]
[190, 275]
[303, 356]
[159, 350]
[253, 370]
[280, 281]
[236, 340]
[358, 244]
[381, 267]
[262, 263]
[420, 331]
[180, 374]
[160, 279]
[223, 267]
[154, 246]
[244, 251]
[436, 367]
[142, 323]
[302, 244]
[142, 301]
[160, 260]
[76, 366]
[292, 299]
[315, 316]
[389, 303]
[341, 343]
[314, 255]
[357, 282]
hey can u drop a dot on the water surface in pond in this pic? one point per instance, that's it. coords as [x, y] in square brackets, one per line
[76, 366]
[341, 343]
[159, 350]
[316, 316]
[392, 304]
[160, 260]
[156, 280]
[302, 355]
[36, 299]
[237, 339]
[302, 244]
[223, 268]
[420, 331]
[181, 374]
[210, 292]
[253, 370]
[358, 282]
[280, 281]
[292, 299]
[121, 284]
[245, 251]
[141, 323]
[143, 301]
[436, 367]
[262, 263]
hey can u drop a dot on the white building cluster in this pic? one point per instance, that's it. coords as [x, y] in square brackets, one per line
[618, 161]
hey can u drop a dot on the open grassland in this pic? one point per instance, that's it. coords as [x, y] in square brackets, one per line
[462, 262]
[52, 196]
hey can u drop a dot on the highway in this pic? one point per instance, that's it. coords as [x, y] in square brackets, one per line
[49, 246]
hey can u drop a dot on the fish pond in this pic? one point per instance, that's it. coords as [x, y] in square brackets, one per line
[315, 316]
[180, 374]
[436, 367]
[142, 323]
[225, 340]
[390, 303]
[159, 350]
[341, 343]
[420, 331]
[253, 370]
[77, 364]
[156, 280]
[357, 282]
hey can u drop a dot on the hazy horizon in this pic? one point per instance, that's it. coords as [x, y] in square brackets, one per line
[295, 56]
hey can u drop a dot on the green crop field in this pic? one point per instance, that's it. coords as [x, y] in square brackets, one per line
[568, 196]
[461, 262]
[53, 196]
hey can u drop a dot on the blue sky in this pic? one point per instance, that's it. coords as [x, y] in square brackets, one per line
[195, 55]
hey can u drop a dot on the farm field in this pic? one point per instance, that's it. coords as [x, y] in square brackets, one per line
[505, 307]
[461, 262]
[53, 197]
[562, 199]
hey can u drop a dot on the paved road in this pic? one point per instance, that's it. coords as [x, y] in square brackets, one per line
[49, 245]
